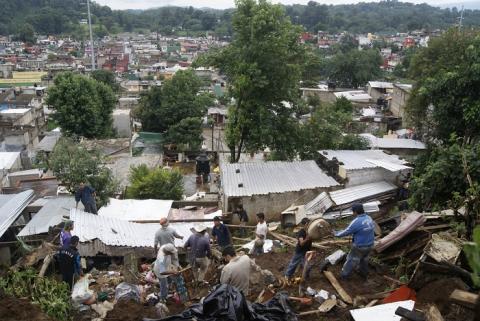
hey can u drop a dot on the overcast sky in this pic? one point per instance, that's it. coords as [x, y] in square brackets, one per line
[222, 4]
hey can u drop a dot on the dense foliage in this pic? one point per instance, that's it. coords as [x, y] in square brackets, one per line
[176, 109]
[52, 296]
[72, 164]
[63, 17]
[82, 105]
[106, 77]
[326, 128]
[445, 110]
[155, 183]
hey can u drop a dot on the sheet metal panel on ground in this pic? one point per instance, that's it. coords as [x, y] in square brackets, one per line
[54, 210]
[11, 206]
[119, 236]
[365, 191]
[247, 179]
[360, 159]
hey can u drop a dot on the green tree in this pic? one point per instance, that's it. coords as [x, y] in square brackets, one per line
[263, 64]
[156, 183]
[25, 33]
[446, 99]
[177, 99]
[187, 133]
[326, 128]
[106, 77]
[82, 106]
[72, 163]
[356, 67]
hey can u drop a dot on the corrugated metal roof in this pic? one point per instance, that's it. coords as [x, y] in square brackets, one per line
[8, 159]
[136, 210]
[53, 211]
[392, 167]
[247, 179]
[115, 232]
[354, 95]
[371, 207]
[357, 159]
[47, 144]
[11, 206]
[319, 204]
[392, 143]
[351, 194]
[380, 84]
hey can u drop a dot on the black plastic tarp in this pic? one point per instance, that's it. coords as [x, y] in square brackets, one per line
[226, 303]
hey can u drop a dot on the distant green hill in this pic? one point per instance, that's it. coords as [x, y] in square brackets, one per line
[64, 16]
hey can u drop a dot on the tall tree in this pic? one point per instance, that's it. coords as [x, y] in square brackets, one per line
[177, 99]
[156, 183]
[82, 106]
[355, 67]
[326, 128]
[263, 65]
[446, 99]
[72, 164]
[445, 108]
[107, 77]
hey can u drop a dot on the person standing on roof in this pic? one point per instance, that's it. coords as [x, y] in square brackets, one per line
[165, 235]
[199, 245]
[221, 234]
[86, 194]
[237, 271]
[69, 261]
[304, 244]
[260, 235]
[165, 267]
[66, 234]
[362, 229]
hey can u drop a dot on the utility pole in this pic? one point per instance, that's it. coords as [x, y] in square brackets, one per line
[460, 22]
[91, 35]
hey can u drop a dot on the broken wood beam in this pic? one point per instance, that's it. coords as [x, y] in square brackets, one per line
[46, 263]
[464, 298]
[240, 226]
[340, 290]
[433, 314]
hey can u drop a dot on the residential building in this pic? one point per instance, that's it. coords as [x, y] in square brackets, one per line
[400, 96]
[270, 187]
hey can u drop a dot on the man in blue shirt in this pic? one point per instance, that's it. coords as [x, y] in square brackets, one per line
[198, 245]
[86, 194]
[221, 234]
[362, 229]
[69, 261]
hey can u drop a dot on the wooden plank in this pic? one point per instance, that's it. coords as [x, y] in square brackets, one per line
[464, 298]
[340, 290]
[433, 314]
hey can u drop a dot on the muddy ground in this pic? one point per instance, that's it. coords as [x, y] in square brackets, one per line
[13, 309]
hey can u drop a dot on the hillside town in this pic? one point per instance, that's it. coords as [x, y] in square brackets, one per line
[276, 174]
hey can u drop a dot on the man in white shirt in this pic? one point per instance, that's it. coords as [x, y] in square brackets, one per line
[237, 271]
[165, 266]
[260, 235]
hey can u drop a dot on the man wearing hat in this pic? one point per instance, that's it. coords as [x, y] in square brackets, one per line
[362, 229]
[165, 235]
[199, 245]
[221, 234]
[304, 244]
